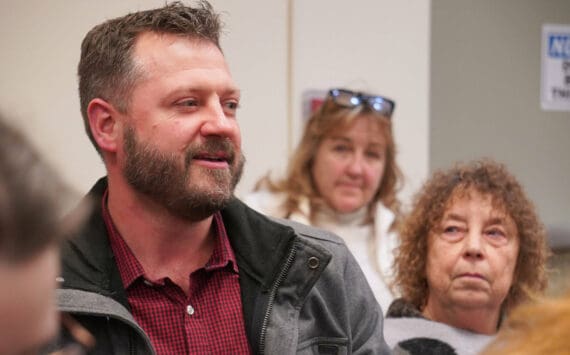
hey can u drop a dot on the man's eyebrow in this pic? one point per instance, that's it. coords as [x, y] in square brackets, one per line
[197, 90]
[234, 91]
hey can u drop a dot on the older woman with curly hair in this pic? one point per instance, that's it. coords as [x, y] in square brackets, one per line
[471, 249]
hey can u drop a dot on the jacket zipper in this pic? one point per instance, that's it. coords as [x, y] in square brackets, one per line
[272, 293]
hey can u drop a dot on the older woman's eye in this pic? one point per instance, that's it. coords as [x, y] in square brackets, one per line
[451, 229]
[497, 236]
[496, 233]
[452, 233]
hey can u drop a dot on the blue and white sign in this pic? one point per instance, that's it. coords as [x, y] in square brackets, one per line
[555, 85]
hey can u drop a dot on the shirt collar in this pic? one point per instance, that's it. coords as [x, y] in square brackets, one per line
[130, 268]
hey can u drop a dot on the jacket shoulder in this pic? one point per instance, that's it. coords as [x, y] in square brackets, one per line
[310, 232]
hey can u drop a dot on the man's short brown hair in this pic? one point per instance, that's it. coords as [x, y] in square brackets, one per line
[106, 69]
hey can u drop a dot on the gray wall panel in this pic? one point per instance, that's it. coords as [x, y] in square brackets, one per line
[485, 97]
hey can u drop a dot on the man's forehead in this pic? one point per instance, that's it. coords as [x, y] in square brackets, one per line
[162, 54]
[153, 47]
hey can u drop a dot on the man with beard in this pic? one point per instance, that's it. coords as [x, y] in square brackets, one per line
[171, 262]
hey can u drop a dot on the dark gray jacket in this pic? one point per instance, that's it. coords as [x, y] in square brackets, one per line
[302, 291]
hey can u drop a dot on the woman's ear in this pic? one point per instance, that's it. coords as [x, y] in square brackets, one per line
[103, 124]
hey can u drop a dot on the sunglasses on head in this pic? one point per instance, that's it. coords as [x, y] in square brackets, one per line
[348, 98]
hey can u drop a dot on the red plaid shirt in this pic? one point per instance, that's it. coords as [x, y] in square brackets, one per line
[207, 321]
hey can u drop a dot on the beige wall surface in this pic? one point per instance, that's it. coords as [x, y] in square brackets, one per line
[485, 97]
[377, 45]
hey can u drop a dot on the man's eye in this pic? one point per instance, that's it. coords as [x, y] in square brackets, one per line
[232, 105]
[188, 103]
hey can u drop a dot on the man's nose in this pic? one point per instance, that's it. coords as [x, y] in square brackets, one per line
[216, 122]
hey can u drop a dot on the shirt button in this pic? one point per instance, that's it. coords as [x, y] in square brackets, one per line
[190, 310]
[148, 283]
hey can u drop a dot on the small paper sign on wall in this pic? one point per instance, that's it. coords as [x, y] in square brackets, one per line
[555, 76]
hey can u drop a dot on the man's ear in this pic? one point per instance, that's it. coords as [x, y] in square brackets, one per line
[104, 125]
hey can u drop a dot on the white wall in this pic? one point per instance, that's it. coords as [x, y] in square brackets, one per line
[378, 45]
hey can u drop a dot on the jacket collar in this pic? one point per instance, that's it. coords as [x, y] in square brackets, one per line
[260, 245]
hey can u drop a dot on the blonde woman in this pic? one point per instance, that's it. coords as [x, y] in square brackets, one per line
[343, 177]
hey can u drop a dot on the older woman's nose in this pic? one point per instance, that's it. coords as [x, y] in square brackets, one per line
[473, 246]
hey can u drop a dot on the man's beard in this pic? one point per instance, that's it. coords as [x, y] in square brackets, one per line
[160, 177]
